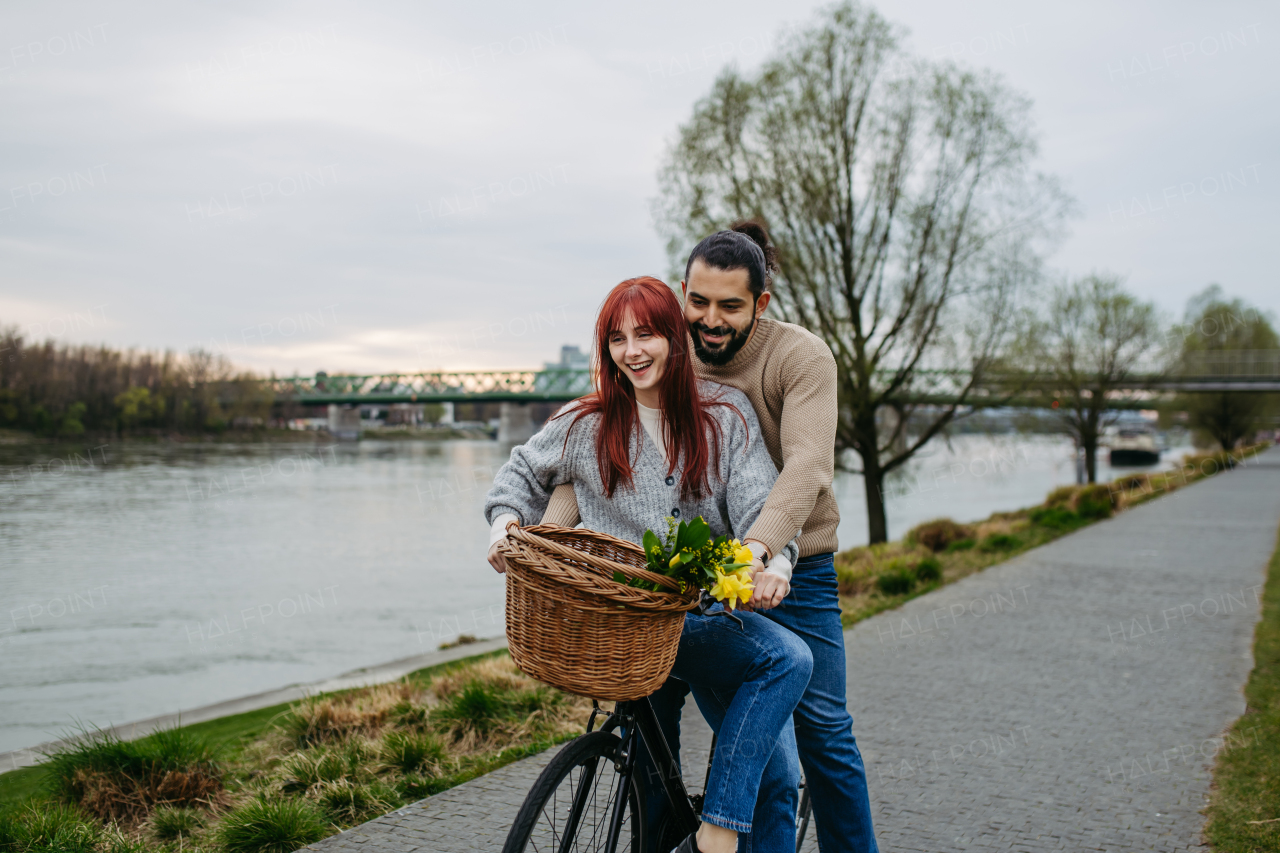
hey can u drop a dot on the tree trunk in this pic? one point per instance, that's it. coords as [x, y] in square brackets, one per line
[873, 484]
[866, 434]
[1091, 458]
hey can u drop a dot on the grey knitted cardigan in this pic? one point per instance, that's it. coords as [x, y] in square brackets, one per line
[746, 475]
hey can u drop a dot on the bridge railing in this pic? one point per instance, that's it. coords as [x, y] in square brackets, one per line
[1238, 364]
[554, 383]
[1248, 370]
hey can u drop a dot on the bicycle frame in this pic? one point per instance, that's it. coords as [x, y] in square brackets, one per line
[631, 719]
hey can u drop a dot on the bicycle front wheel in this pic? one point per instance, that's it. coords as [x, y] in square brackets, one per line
[571, 806]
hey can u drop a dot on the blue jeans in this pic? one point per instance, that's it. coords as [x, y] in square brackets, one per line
[747, 681]
[833, 765]
[833, 768]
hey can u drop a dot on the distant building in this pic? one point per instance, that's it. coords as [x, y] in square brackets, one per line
[571, 356]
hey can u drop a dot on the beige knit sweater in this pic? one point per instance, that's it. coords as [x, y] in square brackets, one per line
[789, 375]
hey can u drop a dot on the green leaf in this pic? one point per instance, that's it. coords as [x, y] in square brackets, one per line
[698, 533]
[619, 577]
[651, 542]
[681, 533]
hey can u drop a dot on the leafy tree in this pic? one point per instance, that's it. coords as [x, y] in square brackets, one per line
[71, 425]
[1091, 338]
[1220, 334]
[906, 215]
[136, 405]
[56, 390]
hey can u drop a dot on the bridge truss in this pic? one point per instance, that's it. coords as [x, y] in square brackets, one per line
[1256, 372]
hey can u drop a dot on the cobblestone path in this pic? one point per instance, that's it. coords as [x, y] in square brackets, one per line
[1070, 699]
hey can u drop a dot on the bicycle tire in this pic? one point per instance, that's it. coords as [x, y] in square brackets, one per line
[543, 820]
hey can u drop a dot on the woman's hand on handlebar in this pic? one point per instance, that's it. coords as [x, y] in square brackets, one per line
[496, 559]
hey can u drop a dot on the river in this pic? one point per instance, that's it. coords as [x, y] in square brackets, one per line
[140, 579]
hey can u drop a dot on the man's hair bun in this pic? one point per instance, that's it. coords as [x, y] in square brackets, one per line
[759, 235]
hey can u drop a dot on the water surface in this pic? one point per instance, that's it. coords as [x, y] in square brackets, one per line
[139, 579]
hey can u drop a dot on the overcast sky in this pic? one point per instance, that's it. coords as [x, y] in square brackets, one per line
[412, 186]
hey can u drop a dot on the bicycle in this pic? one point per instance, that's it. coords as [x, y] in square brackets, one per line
[565, 810]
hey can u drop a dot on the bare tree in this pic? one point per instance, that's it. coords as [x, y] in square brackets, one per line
[901, 198]
[1092, 337]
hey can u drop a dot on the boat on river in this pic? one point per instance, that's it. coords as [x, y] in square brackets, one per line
[1132, 445]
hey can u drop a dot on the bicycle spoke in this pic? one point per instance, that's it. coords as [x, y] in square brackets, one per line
[572, 807]
[603, 787]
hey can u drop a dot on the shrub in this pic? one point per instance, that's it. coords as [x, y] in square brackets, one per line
[999, 542]
[1055, 518]
[895, 581]
[1061, 496]
[116, 779]
[962, 545]
[936, 535]
[412, 752]
[1094, 501]
[272, 826]
[928, 570]
[1136, 482]
[170, 824]
[350, 803]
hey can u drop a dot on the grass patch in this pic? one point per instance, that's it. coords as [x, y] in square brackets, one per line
[279, 826]
[1244, 809]
[172, 824]
[289, 775]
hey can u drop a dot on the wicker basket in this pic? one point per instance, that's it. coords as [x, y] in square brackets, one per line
[572, 626]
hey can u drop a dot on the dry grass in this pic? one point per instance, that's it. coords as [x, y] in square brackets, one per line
[326, 719]
[111, 796]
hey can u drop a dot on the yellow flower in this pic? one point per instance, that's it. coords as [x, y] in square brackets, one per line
[675, 559]
[731, 588]
[741, 553]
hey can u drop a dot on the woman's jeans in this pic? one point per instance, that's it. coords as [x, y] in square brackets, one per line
[833, 767]
[747, 681]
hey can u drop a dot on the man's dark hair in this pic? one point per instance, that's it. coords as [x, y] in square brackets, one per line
[745, 246]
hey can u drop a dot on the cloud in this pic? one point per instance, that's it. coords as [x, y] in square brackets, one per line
[437, 171]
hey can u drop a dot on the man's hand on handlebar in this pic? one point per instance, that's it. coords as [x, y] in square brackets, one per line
[769, 591]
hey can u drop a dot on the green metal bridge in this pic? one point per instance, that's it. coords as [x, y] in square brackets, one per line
[1255, 372]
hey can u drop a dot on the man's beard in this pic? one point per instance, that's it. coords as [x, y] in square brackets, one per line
[728, 349]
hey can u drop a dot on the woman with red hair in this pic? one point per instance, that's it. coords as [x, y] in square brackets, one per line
[653, 441]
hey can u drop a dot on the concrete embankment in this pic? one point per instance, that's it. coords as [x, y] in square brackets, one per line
[356, 678]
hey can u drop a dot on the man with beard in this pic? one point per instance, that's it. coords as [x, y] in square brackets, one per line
[789, 375]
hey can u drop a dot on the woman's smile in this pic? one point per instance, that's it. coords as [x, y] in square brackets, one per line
[641, 356]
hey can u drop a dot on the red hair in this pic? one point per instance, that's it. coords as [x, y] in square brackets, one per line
[691, 433]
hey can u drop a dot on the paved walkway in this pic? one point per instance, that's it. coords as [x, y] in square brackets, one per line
[1070, 699]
